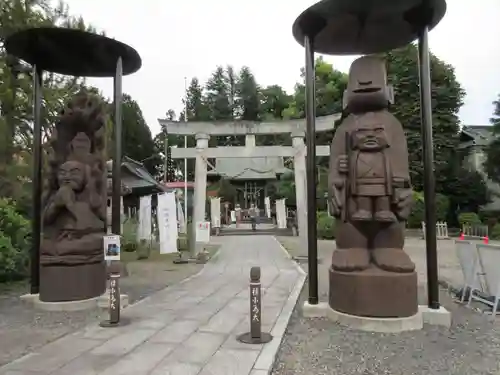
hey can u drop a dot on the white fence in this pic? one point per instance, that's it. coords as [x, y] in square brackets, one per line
[480, 231]
[479, 263]
[441, 230]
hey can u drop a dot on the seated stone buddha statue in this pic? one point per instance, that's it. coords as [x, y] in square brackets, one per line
[73, 217]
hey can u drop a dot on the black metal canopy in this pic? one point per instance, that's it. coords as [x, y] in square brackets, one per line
[72, 52]
[356, 27]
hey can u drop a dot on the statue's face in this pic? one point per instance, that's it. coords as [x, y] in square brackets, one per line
[81, 142]
[72, 174]
[370, 139]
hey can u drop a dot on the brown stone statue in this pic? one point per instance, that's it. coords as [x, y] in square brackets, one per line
[371, 196]
[71, 255]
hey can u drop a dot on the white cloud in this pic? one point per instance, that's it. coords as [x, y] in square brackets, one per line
[178, 39]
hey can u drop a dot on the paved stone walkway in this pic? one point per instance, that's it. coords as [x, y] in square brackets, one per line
[187, 329]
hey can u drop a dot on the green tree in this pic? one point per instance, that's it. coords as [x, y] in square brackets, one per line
[231, 83]
[197, 109]
[137, 139]
[16, 92]
[330, 86]
[447, 98]
[274, 101]
[492, 162]
[248, 101]
[217, 96]
[466, 190]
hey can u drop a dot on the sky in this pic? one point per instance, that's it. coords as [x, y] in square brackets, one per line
[178, 40]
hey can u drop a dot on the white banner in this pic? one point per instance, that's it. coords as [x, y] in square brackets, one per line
[233, 216]
[281, 213]
[144, 229]
[203, 231]
[180, 217]
[267, 204]
[167, 222]
[215, 212]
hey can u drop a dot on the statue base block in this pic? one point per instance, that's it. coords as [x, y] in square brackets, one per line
[379, 325]
[72, 283]
[374, 293]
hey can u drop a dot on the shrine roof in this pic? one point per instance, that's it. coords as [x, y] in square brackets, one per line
[141, 177]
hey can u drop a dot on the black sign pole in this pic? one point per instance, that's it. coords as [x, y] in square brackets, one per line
[114, 284]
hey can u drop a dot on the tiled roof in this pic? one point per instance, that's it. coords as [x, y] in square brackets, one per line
[480, 135]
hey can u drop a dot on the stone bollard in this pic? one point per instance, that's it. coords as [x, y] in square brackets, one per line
[255, 336]
[114, 303]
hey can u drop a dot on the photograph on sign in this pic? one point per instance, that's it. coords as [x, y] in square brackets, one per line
[112, 247]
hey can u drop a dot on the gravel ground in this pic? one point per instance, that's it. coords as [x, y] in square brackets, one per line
[470, 347]
[24, 329]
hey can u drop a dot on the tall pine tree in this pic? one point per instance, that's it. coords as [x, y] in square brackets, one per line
[248, 100]
[217, 96]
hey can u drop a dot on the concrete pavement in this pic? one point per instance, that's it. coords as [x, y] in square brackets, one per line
[187, 329]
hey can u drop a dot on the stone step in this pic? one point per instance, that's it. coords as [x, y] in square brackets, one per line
[250, 232]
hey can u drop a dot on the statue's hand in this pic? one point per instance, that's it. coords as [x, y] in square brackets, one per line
[404, 203]
[65, 196]
[342, 164]
[336, 199]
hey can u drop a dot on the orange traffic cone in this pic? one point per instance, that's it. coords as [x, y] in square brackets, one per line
[486, 240]
[462, 237]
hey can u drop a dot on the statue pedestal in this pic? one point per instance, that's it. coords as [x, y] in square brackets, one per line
[72, 283]
[374, 293]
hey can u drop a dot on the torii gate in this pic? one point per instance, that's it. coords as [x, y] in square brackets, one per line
[203, 130]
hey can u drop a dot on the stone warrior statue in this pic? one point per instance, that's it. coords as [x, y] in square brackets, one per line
[370, 186]
[71, 256]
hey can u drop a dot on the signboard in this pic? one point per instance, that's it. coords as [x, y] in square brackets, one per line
[255, 302]
[111, 247]
[233, 216]
[203, 231]
[167, 222]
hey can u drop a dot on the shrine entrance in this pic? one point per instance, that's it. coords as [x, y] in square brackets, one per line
[250, 181]
[250, 193]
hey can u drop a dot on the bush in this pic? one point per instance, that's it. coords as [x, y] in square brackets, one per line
[417, 214]
[469, 218]
[15, 242]
[325, 226]
[495, 233]
[8, 259]
[129, 235]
